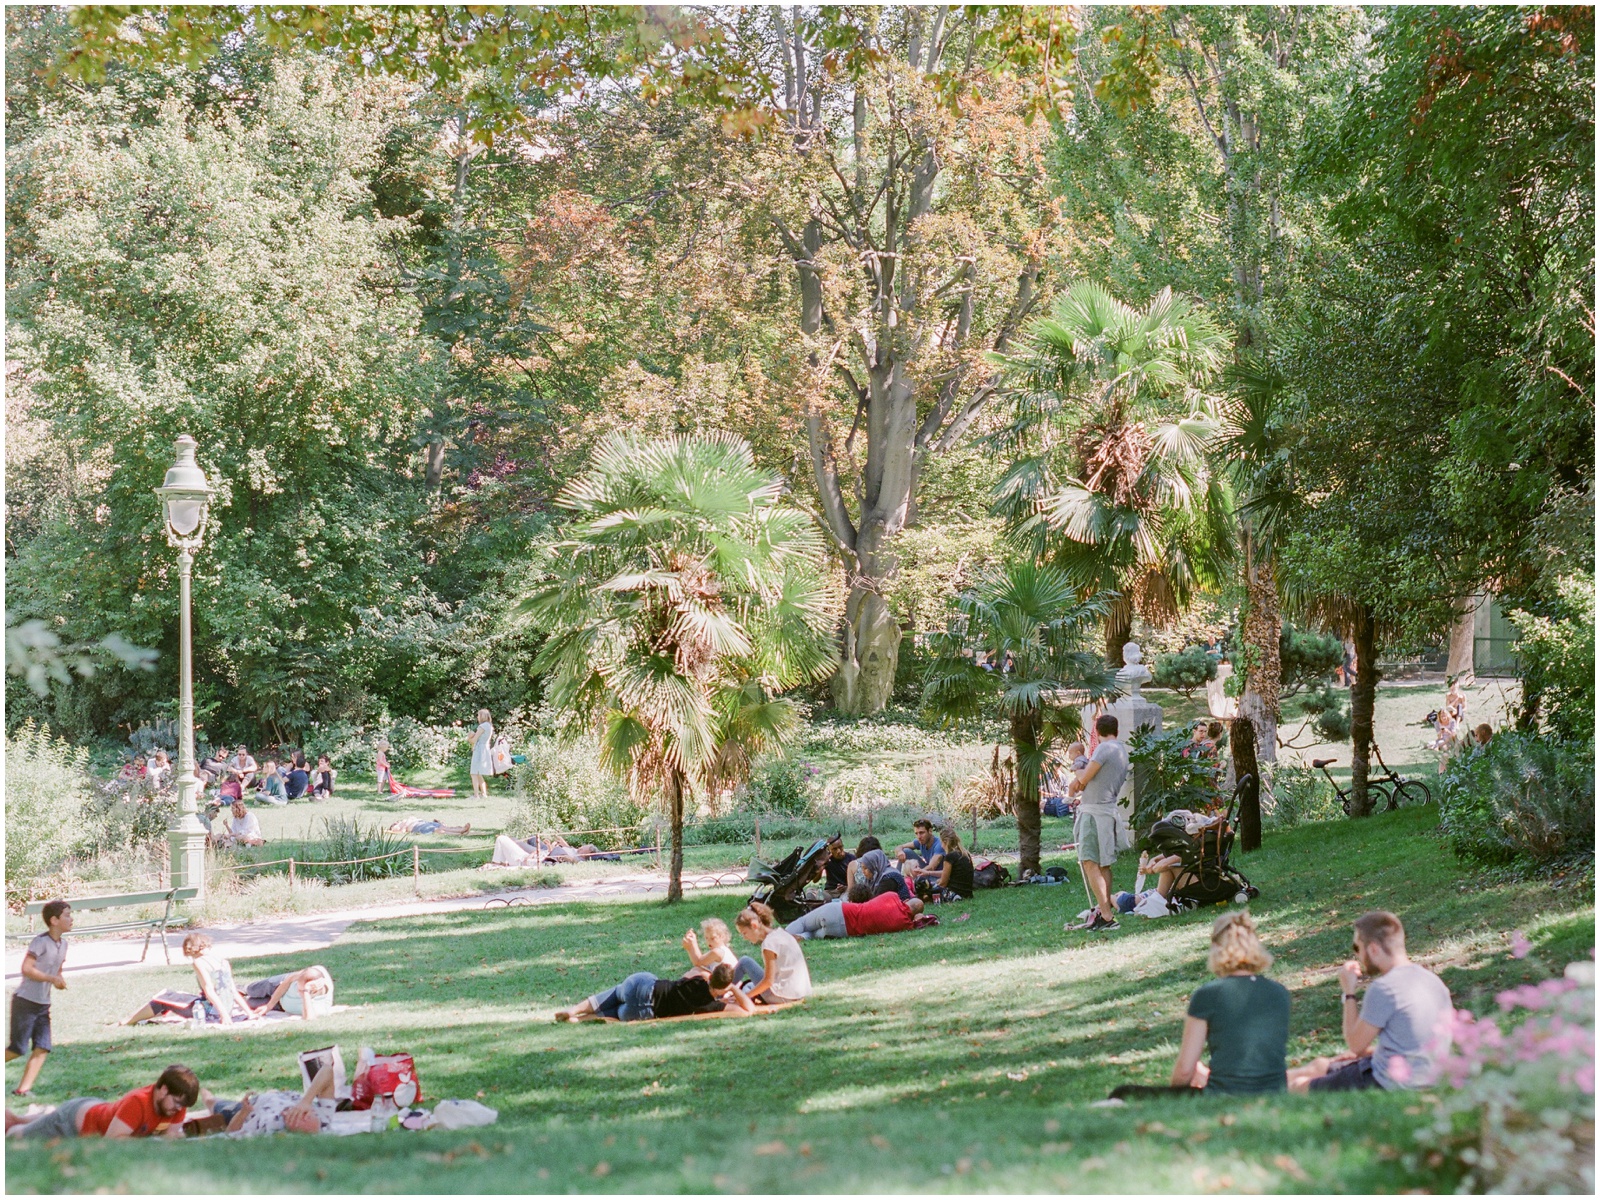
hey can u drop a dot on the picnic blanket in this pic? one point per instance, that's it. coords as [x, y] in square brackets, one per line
[396, 788]
[761, 1011]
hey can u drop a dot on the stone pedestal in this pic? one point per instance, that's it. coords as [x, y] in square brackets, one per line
[1133, 713]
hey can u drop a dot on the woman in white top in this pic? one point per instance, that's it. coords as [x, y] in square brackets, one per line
[781, 977]
[217, 988]
[482, 755]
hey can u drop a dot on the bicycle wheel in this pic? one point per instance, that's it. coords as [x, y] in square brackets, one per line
[1409, 792]
[1382, 801]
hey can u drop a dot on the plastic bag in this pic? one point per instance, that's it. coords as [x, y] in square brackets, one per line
[462, 1114]
[386, 1075]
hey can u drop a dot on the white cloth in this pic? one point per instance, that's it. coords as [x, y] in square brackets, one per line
[792, 978]
[1152, 904]
[511, 853]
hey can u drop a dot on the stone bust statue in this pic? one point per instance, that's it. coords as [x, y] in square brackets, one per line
[1134, 672]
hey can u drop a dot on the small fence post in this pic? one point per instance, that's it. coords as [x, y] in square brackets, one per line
[291, 874]
[758, 837]
[416, 869]
[658, 847]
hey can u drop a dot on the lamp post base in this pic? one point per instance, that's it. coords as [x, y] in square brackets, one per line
[188, 844]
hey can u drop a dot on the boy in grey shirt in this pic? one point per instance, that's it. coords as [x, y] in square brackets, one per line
[1399, 1032]
[30, 1005]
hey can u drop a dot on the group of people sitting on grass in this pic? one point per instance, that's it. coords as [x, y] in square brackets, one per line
[718, 981]
[277, 780]
[932, 866]
[1395, 1034]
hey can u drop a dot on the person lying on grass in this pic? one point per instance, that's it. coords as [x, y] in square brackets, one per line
[860, 913]
[643, 997]
[301, 993]
[428, 825]
[154, 1111]
[218, 995]
[275, 1111]
[718, 947]
[781, 977]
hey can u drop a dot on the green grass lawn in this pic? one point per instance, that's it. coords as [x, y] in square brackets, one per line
[961, 1058]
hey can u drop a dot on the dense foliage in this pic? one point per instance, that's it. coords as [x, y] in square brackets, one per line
[1521, 796]
[47, 788]
[1185, 670]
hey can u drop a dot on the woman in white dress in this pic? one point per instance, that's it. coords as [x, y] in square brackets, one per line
[482, 755]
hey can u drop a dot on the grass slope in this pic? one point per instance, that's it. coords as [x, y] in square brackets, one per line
[961, 1058]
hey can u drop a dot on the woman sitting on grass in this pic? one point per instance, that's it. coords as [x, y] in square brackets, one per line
[782, 976]
[718, 948]
[219, 999]
[873, 868]
[1242, 1017]
[954, 881]
[643, 997]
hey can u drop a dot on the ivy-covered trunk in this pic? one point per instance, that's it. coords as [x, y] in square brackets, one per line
[1247, 773]
[674, 796]
[1025, 790]
[1262, 625]
[1363, 698]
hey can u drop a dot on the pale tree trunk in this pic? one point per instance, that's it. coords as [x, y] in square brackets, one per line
[1463, 639]
[1262, 625]
[674, 798]
[1363, 700]
[1025, 789]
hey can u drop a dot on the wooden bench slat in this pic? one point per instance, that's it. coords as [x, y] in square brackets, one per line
[167, 897]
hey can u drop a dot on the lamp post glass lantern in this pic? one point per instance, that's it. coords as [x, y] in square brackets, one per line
[185, 500]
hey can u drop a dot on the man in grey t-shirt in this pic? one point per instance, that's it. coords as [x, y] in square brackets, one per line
[1399, 1032]
[1094, 827]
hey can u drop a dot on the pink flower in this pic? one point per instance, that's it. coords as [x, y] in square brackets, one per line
[1520, 945]
[1400, 1069]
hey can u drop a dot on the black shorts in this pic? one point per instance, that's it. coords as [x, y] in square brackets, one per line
[1352, 1077]
[30, 1025]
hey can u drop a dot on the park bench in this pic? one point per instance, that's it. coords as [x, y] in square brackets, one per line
[167, 897]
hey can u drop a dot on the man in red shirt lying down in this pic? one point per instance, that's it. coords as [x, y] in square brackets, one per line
[857, 915]
[154, 1111]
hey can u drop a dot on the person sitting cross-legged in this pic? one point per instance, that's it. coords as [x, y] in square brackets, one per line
[241, 828]
[1241, 1017]
[953, 880]
[154, 1111]
[781, 977]
[923, 854]
[873, 867]
[1399, 1032]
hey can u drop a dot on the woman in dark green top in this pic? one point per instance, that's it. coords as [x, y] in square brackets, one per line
[1241, 1017]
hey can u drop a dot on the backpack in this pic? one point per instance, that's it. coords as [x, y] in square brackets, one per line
[987, 873]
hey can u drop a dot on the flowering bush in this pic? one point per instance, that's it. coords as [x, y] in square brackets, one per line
[1522, 1118]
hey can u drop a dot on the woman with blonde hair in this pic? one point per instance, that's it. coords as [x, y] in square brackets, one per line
[782, 976]
[1241, 1017]
[482, 755]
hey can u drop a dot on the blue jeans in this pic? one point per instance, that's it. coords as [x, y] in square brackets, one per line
[631, 1000]
[748, 969]
[819, 923]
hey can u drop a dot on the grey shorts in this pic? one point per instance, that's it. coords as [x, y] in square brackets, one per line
[1096, 835]
[63, 1123]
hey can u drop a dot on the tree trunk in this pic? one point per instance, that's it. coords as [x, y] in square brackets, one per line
[434, 461]
[1363, 699]
[674, 791]
[1463, 640]
[1262, 626]
[1247, 776]
[1118, 630]
[1025, 788]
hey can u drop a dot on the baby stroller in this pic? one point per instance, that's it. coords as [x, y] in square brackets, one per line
[782, 885]
[1205, 859]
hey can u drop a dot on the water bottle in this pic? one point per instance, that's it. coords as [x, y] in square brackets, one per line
[197, 1019]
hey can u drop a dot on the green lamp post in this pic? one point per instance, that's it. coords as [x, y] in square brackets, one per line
[185, 500]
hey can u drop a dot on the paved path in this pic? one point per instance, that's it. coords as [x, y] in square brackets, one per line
[287, 935]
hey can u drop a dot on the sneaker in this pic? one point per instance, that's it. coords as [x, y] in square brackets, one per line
[1099, 923]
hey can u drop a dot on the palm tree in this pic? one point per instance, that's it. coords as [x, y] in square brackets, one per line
[1030, 620]
[1110, 429]
[681, 599]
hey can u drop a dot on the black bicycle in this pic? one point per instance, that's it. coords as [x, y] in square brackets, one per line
[1391, 788]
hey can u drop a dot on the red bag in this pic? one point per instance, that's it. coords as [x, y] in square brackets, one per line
[393, 1075]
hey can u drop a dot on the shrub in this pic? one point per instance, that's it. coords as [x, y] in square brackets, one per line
[1294, 794]
[562, 788]
[1185, 671]
[1169, 777]
[47, 789]
[1557, 651]
[1306, 658]
[1329, 710]
[345, 839]
[1521, 1121]
[781, 785]
[1521, 796]
[115, 822]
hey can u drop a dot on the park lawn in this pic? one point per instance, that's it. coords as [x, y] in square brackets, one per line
[960, 1058]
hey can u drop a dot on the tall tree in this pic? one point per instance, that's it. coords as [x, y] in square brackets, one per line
[1037, 633]
[1109, 433]
[681, 599]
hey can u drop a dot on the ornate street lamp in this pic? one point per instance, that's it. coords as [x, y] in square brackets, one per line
[185, 498]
